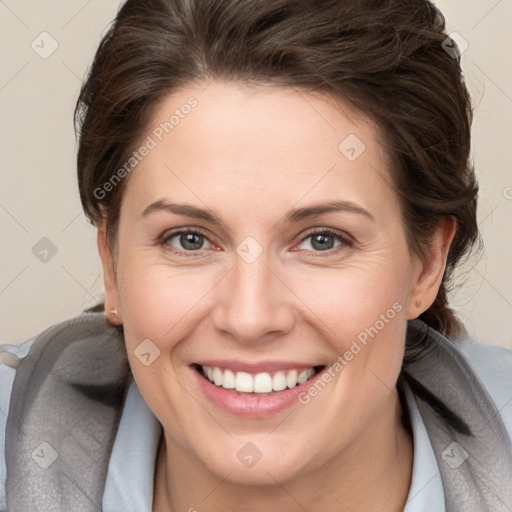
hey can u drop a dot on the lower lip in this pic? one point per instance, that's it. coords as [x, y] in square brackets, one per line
[245, 405]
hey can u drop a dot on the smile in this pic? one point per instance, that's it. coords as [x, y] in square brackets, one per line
[261, 383]
[248, 391]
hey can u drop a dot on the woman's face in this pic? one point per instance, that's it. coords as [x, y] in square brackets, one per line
[260, 234]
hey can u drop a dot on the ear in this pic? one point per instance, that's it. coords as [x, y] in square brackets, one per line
[428, 272]
[112, 303]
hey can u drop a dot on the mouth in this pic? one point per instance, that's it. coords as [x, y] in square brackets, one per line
[257, 384]
[246, 391]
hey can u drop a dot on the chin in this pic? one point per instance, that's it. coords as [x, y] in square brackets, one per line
[258, 461]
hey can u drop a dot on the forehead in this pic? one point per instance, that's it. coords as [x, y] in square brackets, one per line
[236, 145]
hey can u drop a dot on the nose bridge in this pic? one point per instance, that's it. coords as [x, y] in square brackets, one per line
[252, 303]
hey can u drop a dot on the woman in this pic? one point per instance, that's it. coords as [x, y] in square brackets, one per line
[282, 192]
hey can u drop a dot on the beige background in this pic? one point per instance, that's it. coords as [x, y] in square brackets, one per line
[39, 197]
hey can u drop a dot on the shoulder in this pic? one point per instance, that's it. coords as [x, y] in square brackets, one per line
[79, 327]
[493, 365]
[11, 356]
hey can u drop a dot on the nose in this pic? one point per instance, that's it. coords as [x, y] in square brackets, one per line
[253, 303]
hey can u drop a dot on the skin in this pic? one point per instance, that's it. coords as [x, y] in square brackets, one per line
[250, 155]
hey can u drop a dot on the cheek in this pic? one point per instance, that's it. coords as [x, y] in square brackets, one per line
[163, 306]
[349, 301]
[362, 312]
[158, 300]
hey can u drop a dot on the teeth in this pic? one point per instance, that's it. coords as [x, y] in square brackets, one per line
[303, 376]
[279, 381]
[291, 378]
[228, 381]
[262, 383]
[259, 383]
[217, 376]
[243, 382]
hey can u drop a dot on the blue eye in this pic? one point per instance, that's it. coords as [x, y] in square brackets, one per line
[325, 240]
[187, 240]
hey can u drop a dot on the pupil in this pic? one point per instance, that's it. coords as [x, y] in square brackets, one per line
[321, 242]
[191, 241]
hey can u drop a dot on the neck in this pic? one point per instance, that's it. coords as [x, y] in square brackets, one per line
[373, 473]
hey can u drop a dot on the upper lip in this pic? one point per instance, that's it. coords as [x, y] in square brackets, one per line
[255, 367]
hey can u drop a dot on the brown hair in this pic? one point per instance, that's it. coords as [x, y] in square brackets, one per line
[387, 58]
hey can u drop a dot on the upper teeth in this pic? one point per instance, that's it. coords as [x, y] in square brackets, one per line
[259, 383]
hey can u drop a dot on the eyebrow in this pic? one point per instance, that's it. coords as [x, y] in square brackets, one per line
[292, 216]
[319, 209]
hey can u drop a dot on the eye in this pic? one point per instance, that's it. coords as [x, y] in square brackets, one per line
[185, 241]
[192, 241]
[324, 239]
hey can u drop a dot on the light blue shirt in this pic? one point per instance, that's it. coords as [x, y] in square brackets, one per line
[129, 484]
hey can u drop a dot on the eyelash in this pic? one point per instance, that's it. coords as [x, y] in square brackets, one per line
[344, 239]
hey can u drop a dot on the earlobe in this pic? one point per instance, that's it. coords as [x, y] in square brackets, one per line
[428, 273]
[112, 304]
